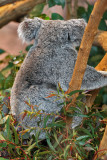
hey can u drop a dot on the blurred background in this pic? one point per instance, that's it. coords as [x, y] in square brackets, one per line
[13, 51]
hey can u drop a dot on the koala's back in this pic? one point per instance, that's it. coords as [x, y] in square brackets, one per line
[44, 67]
[39, 74]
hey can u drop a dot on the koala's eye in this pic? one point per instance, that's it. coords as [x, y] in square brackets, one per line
[69, 37]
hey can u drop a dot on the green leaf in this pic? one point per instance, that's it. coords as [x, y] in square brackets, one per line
[44, 16]
[37, 137]
[9, 136]
[30, 148]
[1, 51]
[90, 8]
[8, 67]
[9, 81]
[50, 158]
[74, 109]
[3, 120]
[80, 11]
[28, 47]
[1, 137]
[2, 80]
[16, 135]
[56, 16]
[43, 153]
[66, 151]
[80, 97]
[79, 151]
[82, 137]
[3, 158]
[92, 129]
[58, 140]
[45, 120]
[56, 124]
[78, 114]
[37, 10]
[102, 25]
[82, 143]
[4, 144]
[74, 92]
[49, 143]
[26, 158]
[86, 131]
[52, 3]
[89, 148]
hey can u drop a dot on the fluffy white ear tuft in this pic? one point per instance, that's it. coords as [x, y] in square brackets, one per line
[28, 28]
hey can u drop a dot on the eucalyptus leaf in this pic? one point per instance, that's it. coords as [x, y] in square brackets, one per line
[37, 10]
[45, 120]
[2, 81]
[2, 51]
[74, 92]
[9, 81]
[28, 47]
[52, 3]
[1, 137]
[56, 16]
[49, 143]
[82, 137]
[4, 144]
[66, 151]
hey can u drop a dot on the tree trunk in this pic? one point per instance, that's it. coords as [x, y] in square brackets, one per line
[16, 10]
[84, 50]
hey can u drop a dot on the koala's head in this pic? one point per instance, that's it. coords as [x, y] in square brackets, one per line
[53, 32]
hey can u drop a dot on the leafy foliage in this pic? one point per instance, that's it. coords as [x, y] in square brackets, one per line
[83, 13]
[56, 16]
[52, 3]
[61, 142]
[8, 73]
[1, 51]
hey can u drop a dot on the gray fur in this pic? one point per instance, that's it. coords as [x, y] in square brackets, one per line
[51, 60]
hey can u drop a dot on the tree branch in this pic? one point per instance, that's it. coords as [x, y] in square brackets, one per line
[101, 39]
[4, 2]
[103, 146]
[11, 12]
[85, 47]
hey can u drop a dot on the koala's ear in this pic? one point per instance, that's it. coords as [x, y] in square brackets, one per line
[76, 30]
[28, 29]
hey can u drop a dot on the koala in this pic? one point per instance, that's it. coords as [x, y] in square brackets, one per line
[50, 61]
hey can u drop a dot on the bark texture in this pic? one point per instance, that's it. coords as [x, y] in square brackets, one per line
[4, 2]
[16, 10]
[103, 146]
[85, 47]
[101, 39]
[102, 66]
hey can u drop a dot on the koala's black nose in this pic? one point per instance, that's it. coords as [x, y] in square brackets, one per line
[69, 37]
